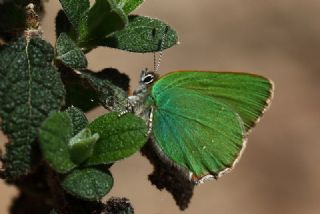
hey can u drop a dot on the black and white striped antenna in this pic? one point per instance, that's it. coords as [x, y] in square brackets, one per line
[157, 62]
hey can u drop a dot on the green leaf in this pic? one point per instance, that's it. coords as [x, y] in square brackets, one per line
[74, 10]
[81, 145]
[88, 184]
[89, 89]
[18, 160]
[143, 34]
[103, 18]
[129, 5]
[55, 133]
[30, 88]
[110, 96]
[78, 119]
[120, 137]
[69, 53]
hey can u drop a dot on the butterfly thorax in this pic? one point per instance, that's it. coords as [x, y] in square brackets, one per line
[141, 101]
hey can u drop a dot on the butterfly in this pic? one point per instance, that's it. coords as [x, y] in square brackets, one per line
[199, 120]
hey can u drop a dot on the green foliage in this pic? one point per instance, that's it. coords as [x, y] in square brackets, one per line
[64, 149]
[110, 95]
[106, 24]
[107, 139]
[103, 18]
[74, 10]
[88, 89]
[81, 145]
[69, 53]
[143, 34]
[30, 88]
[120, 137]
[55, 133]
[129, 5]
[88, 184]
[78, 119]
[91, 24]
[44, 91]
[65, 142]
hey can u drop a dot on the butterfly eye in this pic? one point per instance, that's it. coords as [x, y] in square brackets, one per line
[148, 79]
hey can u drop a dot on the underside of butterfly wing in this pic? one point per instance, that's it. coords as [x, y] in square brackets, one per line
[197, 133]
[247, 94]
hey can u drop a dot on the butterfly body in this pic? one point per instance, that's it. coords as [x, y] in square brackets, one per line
[199, 120]
[140, 103]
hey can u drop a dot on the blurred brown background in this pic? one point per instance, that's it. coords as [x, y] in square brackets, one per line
[279, 172]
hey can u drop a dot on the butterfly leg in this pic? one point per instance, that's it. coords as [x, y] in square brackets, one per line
[130, 106]
[150, 118]
[128, 109]
[123, 113]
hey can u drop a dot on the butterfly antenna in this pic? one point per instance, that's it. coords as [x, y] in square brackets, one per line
[155, 63]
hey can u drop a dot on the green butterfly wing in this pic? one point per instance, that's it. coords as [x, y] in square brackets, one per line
[200, 119]
[246, 94]
[197, 132]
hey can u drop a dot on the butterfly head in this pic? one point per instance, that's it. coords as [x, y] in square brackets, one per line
[147, 77]
[140, 95]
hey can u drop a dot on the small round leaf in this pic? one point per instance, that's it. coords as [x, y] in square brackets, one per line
[81, 146]
[55, 133]
[142, 35]
[88, 184]
[69, 53]
[120, 137]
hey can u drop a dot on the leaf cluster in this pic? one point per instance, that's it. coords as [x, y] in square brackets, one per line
[45, 92]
